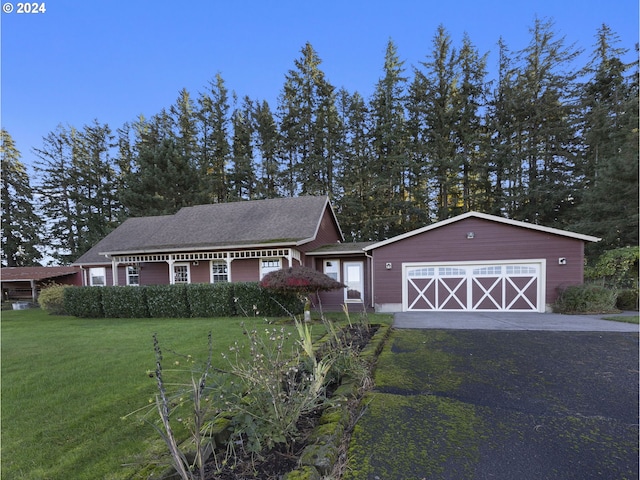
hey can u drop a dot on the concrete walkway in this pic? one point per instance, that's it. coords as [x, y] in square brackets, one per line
[512, 321]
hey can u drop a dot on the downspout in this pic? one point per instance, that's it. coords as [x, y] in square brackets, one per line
[370, 257]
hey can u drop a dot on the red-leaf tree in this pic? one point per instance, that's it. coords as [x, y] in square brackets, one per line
[301, 280]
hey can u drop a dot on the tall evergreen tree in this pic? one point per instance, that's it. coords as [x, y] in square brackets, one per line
[546, 126]
[267, 142]
[439, 79]
[57, 191]
[504, 164]
[308, 127]
[21, 225]
[161, 181]
[214, 149]
[96, 194]
[608, 200]
[242, 177]
[356, 199]
[389, 143]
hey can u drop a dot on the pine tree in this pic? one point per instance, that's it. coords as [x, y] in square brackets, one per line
[309, 127]
[356, 198]
[389, 144]
[20, 223]
[242, 177]
[161, 181]
[504, 164]
[214, 149]
[546, 126]
[608, 200]
[57, 191]
[470, 132]
[442, 112]
[267, 142]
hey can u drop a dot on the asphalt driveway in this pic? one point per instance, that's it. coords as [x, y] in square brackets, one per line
[511, 404]
[512, 321]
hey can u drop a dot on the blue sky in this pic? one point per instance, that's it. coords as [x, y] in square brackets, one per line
[112, 60]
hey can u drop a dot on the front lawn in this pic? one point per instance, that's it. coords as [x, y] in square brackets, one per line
[68, 382]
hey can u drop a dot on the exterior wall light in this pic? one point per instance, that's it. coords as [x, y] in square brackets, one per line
[470, 235]
[388, 265]
[562, 261]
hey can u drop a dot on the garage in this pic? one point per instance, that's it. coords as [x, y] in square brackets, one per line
[474, 287]
[475, 262]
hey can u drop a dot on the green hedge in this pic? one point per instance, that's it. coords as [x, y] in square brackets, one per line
[180, 301]
[167, 301]
[588, 298]
[251, 299]
[211, 299]
[125, 302]
[84, 302]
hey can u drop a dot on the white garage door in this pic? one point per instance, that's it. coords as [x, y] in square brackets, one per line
[513, 286]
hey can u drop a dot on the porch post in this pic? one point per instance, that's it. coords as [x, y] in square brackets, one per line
[171, 261]
[114, 272]
[229, 260]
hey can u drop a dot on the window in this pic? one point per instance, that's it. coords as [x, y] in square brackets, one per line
[219, 271]
[181, 273]
[133, 275]
[98, 277]
[269, 265]
[487, 271]
[332, 269]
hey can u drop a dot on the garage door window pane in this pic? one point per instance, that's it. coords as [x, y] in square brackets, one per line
[422, 272]
[450, 271]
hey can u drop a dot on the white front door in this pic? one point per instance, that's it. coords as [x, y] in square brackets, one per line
[354, 280]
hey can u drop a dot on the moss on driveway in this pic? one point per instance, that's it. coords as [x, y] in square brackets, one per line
[488, 404]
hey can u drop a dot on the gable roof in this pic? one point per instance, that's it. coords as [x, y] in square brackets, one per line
[281, 221]
[484, 216]
[26, 274]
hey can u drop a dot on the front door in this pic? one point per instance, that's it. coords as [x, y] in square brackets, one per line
[354, 280]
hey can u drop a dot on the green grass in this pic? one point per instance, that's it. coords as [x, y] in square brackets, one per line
[624, 318]
[68, 382]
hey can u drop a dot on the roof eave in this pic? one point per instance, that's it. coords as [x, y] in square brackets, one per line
[484, 216]
[205, 248]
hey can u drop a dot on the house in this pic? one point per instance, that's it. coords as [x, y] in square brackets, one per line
[22, 283]
[471, 262]
[475, 262]
[226, 242]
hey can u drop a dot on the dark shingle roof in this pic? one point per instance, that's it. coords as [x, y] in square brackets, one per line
[14, 274]
[222, 225]
[341, 248]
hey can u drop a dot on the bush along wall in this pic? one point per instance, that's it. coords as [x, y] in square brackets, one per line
[84, 302]
[124, 302]
[587, 298]
[211, 299]
[180, 301]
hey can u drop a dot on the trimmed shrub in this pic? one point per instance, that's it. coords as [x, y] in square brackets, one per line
[211, 299]
[51, 299]
[167, 301]
[627, 299]
[251, 299]
[84, 302]
[124, 302]
[588, 298]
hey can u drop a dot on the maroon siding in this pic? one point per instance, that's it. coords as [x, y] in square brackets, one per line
[154, 273]
[245, 270]
[335, 299]
[201, 272]
[492, 241]
[328, 233]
